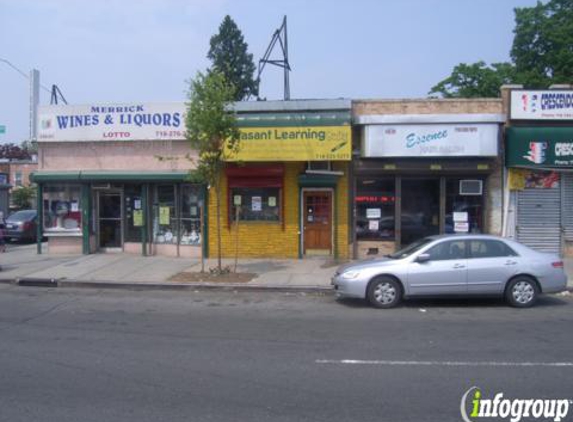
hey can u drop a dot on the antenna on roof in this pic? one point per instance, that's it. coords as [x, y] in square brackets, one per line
[56, 93]
[279, 35]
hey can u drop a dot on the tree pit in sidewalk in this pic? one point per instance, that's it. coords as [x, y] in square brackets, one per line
[212, 277]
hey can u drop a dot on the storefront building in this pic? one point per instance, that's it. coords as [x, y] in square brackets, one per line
[539, 158]
[424, 167]
[285, 193]
[117, 177]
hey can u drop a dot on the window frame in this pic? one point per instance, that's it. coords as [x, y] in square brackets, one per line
[279, 205]
[442, 244]
[469, 253]
[69, 190]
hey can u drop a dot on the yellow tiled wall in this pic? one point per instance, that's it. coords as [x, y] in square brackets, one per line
[274, 240]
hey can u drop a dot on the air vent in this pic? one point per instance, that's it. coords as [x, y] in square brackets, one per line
[471, 187]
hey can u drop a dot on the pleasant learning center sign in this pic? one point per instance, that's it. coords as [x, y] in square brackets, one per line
[294, 143]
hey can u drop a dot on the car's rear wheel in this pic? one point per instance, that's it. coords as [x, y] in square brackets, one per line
[384, 292]
[522, 292]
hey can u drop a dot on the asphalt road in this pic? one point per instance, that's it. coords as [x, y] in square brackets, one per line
[88, 355]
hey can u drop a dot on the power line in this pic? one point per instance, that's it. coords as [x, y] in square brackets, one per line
[22, 73]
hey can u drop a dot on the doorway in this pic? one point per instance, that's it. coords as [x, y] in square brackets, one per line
[420, 214]
[109, 221]
[317, 222]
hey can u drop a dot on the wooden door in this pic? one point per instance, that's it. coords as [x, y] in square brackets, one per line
[317, 221]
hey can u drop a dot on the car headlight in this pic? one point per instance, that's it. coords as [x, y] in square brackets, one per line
[349, 275]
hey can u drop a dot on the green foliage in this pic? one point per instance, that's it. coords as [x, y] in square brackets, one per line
[228, 54]
[542, 54]
[23, 196]
[212, 132]
[475, 80]
[543, 44]
[210, 123]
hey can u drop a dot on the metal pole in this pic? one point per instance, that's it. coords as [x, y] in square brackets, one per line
[287, 66]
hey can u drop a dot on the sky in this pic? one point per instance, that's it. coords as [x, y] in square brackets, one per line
[113, 51]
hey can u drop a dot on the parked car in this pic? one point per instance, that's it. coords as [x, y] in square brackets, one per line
[21, 226]
[454, 265]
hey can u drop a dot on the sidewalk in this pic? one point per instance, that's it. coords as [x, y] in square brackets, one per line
[135, 271]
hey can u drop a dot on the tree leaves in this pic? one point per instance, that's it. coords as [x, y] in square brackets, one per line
[542, 54]
[229, 55]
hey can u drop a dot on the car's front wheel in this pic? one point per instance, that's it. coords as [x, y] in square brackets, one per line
[384, 292]
[522, 292]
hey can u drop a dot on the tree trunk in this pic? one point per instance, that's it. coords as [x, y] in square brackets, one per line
[218, 208]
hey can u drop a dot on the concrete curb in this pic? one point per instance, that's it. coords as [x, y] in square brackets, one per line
[170, 286]
[127, 285]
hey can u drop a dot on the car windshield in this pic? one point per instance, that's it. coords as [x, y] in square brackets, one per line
[22, 216]
[411, 248]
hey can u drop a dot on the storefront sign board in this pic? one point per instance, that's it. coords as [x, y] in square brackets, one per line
[430, 140]
[541, 147]
[115, 122]
[542, 105]
[294, 143]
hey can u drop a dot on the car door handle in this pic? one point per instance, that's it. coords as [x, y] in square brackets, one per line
[510, 262]
[458, 266]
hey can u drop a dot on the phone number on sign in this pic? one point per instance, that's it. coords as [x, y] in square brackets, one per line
[170, 134]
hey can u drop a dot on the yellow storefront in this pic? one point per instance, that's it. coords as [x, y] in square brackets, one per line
[285, 193]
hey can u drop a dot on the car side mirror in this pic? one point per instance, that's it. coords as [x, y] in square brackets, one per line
[423, 257]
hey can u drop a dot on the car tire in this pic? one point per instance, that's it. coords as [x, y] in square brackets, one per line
[384, 292]
[522, 292]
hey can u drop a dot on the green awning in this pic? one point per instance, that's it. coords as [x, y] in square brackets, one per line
[114, 176]
[325, 118]
[539, 147]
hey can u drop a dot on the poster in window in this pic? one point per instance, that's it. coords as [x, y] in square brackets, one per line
[373, 225]
[256, 203]
[138, 218]
[75, 206]
[272, 201]
[237, 200]
[373, 212]
[460, 217]
[461, 227]
[193, 211]
[137, 204]
[164, 216]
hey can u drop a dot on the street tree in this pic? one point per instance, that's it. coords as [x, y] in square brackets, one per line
[541, 55]
[475, 80]
[12, 151]
[212, 132]
[22, 196]
[229, 55]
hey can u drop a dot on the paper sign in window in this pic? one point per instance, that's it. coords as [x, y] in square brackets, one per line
[164, 216]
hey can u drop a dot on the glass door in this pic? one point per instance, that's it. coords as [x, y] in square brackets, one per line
[420, 213]
[110, 221]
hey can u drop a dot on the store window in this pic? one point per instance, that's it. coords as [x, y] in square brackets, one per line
[190, 224]
[133, 213]
[375, 201]
[62, 208]
[176, 215]
[464, 207]
[164, 218]
[255, 204]
[18, 178]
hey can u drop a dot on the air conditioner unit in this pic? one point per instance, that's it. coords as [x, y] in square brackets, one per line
[471, 187]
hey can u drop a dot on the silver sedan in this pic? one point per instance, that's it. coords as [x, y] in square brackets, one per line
[454, 265]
